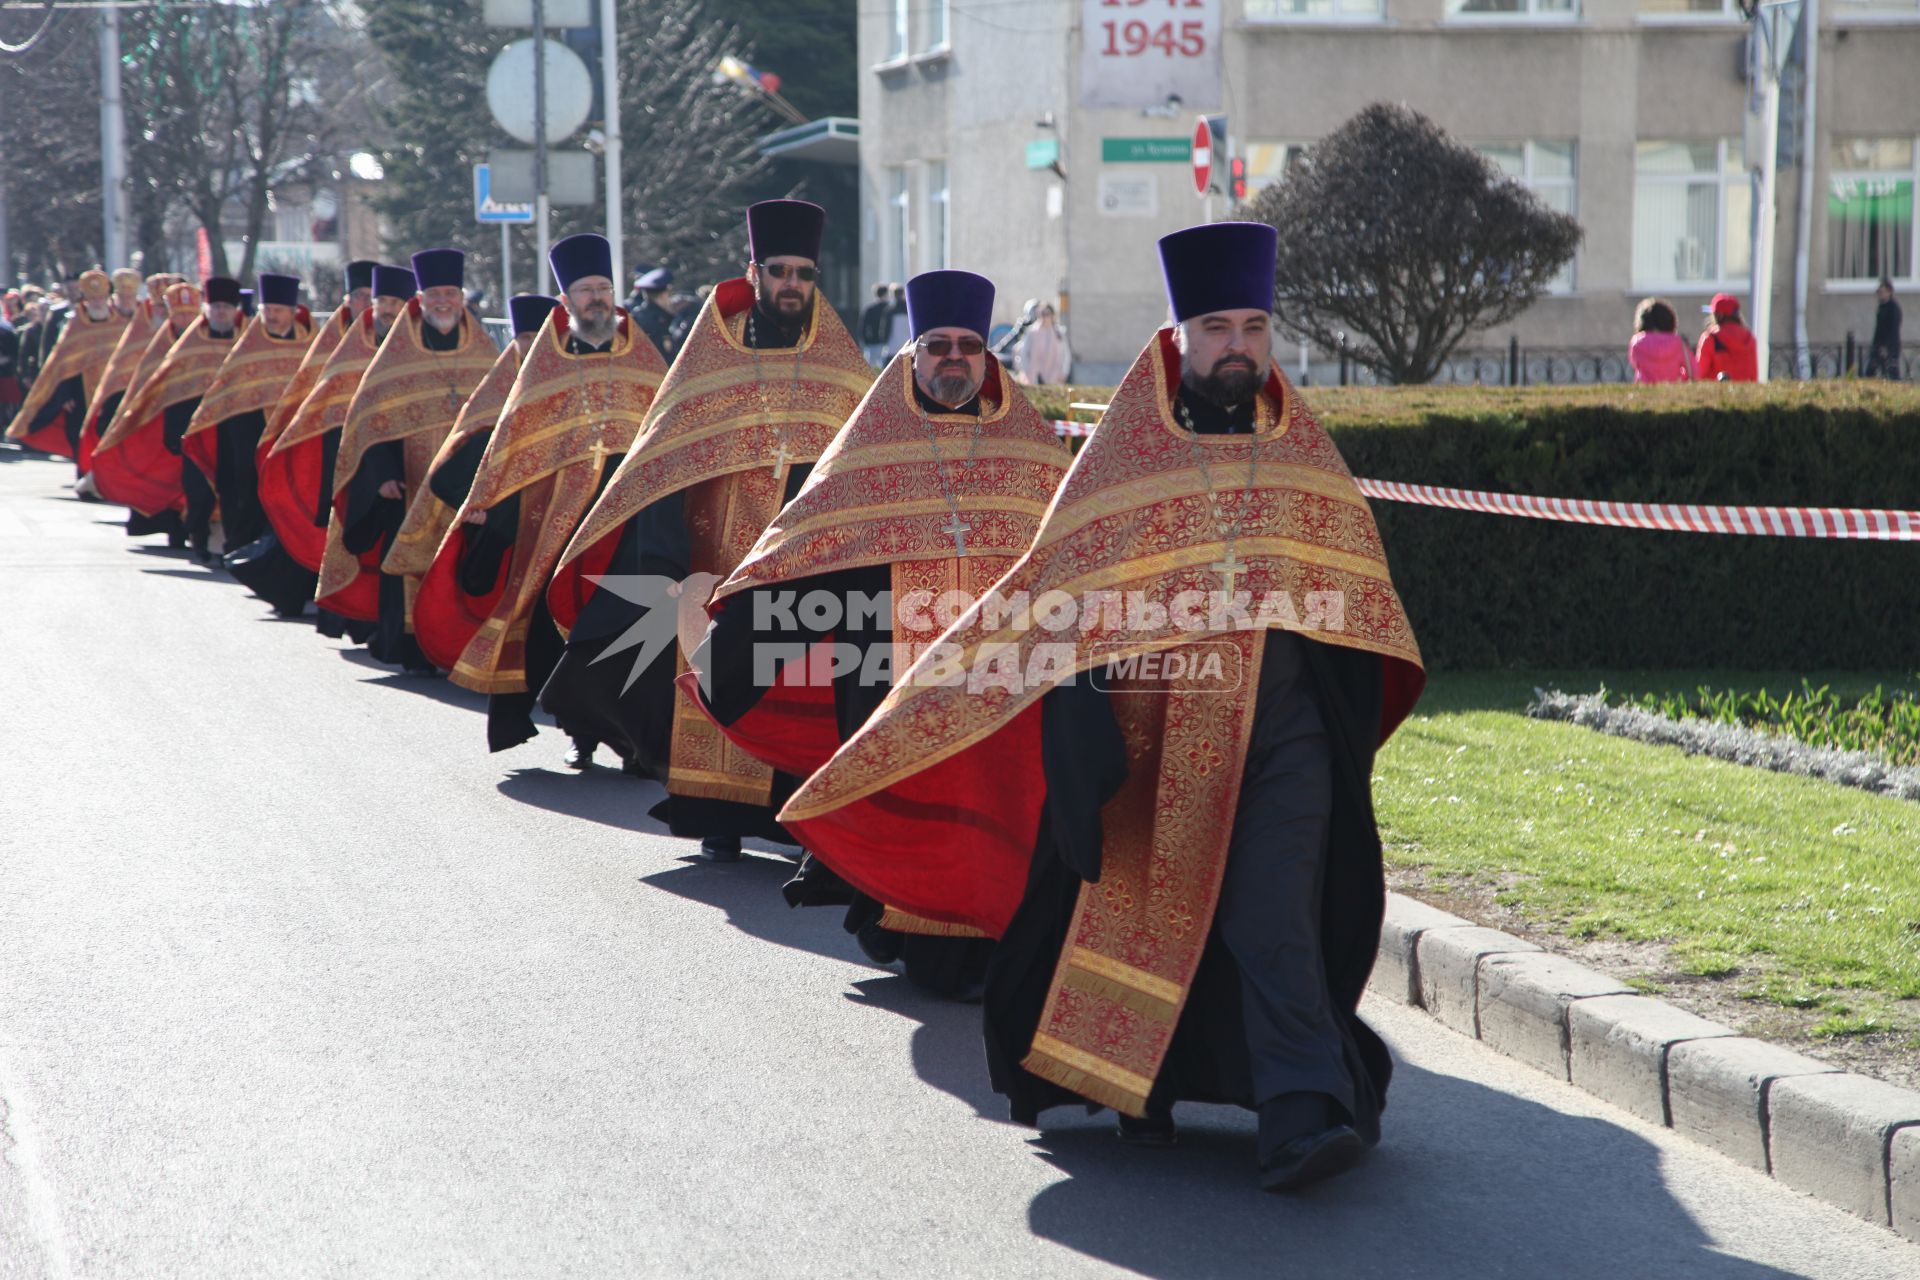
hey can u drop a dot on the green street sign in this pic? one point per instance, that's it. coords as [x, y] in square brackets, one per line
[1042, 152]
[1146, 150]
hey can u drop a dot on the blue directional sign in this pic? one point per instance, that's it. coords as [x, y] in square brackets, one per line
[486, 208]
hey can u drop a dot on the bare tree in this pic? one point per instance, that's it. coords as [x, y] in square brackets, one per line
[224, 103]
[50, 137]
[1404, 240]
[690, 159]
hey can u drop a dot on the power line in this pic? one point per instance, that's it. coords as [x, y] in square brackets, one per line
[47, 15]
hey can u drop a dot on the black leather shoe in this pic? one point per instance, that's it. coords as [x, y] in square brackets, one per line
[579, 755]
[1148, 1130]
[882, 946]
[634, 769]
[720, 848]
[1312, 1158]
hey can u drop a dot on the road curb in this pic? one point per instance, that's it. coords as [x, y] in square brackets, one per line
[1847, 1139]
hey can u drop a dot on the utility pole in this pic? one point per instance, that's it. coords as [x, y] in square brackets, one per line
[1772, 27]
[610, 109]
[113, 144]
[1809, 143]
[541, 209]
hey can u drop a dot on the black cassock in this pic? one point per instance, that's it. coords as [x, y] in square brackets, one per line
[200, 499]
[371, 521]
[488, 546]
[510, 715]
[1274, 1007]
[593, 701]
[953, 967]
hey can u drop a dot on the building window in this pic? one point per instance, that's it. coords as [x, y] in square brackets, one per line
[1313, 10]
[936, 25]
[1870, 186]
[1542, 9]
[1692, 214]
[1547, 169]
[1690, 9]
[937, 221]
[897, 37]
[900, 235]
[1269, 162]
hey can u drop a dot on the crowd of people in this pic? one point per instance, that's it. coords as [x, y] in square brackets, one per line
[798, 595]
[1727, 350]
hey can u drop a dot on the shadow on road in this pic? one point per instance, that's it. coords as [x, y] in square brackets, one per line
[1470, 1181]
[192, 575]
[434, 687]
[749, 892]
[602, 794]
[947, 1049]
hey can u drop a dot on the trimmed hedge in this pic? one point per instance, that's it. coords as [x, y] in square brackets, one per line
[1498, 591]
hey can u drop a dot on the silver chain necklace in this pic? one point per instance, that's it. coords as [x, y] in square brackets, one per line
[1228, 567]
[956, 528]
[781, 456]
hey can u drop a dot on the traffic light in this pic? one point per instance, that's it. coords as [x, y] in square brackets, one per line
[1237, 177]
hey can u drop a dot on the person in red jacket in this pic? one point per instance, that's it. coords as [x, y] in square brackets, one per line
[1727, 352]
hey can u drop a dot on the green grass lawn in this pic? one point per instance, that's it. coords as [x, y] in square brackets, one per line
[1793, 891]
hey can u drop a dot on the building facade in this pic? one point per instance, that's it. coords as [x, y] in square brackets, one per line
[1046, 144]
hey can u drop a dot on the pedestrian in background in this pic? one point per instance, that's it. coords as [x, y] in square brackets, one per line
[652, 314]
[1883, 354]
[1728, 352]
[1041, 356]
[874, 321]
[898, 330]
[1657, 352]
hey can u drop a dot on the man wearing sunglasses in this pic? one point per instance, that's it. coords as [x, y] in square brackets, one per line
[763, 381]
[1178, 857]
[935, 486]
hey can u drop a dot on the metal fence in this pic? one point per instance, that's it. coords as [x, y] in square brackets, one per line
[1523, 366]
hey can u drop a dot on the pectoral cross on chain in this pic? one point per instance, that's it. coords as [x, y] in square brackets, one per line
[1229, 569]
[780, 459]
[959, 529]
[599, 452]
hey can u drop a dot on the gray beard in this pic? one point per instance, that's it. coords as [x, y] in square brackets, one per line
[448, 327]
[594, 335]
[952, 389]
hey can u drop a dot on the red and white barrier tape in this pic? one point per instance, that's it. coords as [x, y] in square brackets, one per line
[1778, 522]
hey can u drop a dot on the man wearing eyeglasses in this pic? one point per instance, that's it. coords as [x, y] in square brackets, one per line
[764, 380]
[934, 488]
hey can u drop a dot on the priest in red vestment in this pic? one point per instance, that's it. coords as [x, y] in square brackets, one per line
[1144, 761]
[925, 499]
[224, 433]
[295, 458]
[764, 379]
[51, 416]
[578, 402]
[406, 403]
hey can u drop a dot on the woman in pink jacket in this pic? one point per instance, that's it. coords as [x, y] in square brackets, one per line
[1657, 353]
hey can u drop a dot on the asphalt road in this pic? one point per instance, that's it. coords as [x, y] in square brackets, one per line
[296, 980]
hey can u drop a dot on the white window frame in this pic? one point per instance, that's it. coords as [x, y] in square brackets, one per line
[944, 44]
[1866, 284]
[1530, 178]
[1839, 13]
[1723, 178]
[900, 34]
[937, 238]
[1530, 16]
[899, 238]
[1269, 13]
[1728, 14]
